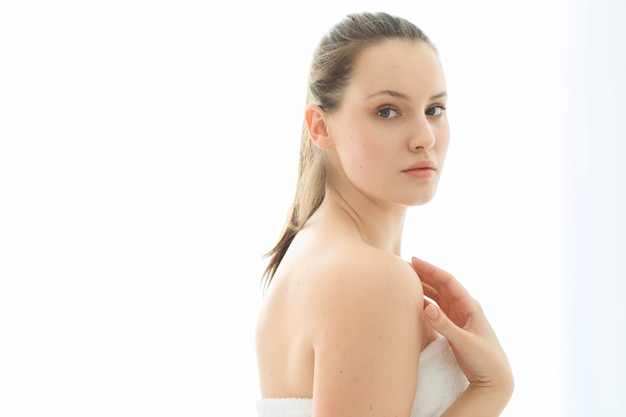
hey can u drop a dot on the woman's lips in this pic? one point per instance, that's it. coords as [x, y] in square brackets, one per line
[421, 172]
[422, 169]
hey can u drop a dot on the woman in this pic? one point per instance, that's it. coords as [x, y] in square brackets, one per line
[343, 330]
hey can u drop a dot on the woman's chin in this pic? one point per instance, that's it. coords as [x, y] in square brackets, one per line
[421, 199]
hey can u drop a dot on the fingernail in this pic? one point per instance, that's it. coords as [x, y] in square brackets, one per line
[432, 312]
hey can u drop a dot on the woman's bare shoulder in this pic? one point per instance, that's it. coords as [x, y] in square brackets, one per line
[368, 262]
[360, 275]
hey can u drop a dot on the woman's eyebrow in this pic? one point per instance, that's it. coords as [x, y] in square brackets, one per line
[391, 93]
[440, 95]
[402, 96]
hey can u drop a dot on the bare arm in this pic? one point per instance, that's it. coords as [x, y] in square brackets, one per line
[367, 340]
[461, 320]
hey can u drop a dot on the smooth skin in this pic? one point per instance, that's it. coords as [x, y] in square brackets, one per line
[348, 334]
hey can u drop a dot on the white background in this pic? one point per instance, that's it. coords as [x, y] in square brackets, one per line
[148, 153]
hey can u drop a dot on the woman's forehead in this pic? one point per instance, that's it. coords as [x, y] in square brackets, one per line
[400, 65]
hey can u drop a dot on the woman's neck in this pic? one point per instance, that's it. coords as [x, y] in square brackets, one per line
[379, 225]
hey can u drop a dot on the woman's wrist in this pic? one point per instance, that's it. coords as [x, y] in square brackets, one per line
[481, 401]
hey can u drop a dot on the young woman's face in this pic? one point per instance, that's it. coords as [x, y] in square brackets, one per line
[391, 132]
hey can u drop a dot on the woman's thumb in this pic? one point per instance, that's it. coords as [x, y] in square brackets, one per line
[441, 323]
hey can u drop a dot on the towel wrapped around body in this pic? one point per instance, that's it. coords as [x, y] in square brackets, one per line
[439, 383]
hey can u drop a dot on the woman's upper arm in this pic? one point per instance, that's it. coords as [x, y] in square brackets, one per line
[367, 340]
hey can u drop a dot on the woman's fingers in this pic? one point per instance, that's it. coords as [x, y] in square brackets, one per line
[438, 284]
[436, 277]
[430, 292]
[452, 298]
[439, 321]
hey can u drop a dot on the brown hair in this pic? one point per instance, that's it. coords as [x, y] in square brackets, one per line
[330, 72]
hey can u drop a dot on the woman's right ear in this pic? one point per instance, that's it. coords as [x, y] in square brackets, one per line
[317, 123]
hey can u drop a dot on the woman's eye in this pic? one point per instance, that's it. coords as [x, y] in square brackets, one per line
[387, 113]
[435, 110]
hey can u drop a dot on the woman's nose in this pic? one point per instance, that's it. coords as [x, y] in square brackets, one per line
[422, 136]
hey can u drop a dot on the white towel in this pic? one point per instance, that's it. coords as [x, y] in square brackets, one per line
[440, 380]
[285, 407]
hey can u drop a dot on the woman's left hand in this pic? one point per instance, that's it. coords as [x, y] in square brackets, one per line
[460, 319]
